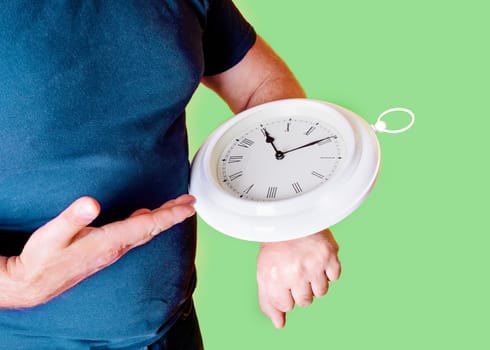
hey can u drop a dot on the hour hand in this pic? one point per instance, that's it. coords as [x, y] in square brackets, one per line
[270, 139]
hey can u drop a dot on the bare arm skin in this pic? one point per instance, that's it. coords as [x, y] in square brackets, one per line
[261, 76]
[292, 272]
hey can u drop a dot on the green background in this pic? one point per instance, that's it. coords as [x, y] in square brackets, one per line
[415, 254]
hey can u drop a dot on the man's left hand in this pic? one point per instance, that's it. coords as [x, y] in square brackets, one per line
[294, 272]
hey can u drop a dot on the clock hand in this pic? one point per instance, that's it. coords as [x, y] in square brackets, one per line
[309, 144]
[270, 139]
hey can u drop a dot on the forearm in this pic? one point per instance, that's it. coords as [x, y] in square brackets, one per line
[295, 271]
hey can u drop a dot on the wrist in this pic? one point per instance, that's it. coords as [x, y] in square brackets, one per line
[320, 236]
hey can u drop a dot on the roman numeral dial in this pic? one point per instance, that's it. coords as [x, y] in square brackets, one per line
[279, 158]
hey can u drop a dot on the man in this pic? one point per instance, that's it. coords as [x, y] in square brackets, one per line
[92, 99]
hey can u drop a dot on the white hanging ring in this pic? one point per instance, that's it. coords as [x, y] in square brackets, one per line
[381, 126]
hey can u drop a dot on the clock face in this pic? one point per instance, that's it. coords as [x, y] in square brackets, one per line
[279, 158]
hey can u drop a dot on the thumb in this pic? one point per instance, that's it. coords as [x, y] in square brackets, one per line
[277, 317]
[68, 223]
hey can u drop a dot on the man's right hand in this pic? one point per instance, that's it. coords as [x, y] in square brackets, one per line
[65, 251]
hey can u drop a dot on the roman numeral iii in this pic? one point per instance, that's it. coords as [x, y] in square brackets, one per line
[297, 188]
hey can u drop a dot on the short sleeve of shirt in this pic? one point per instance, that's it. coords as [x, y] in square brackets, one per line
[227, 37]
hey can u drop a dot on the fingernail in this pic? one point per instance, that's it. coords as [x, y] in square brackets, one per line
[187, 199]
[189, 211]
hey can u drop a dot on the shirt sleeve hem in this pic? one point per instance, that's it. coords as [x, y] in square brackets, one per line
[241, 50]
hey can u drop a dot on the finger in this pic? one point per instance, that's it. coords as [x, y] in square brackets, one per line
[140, 212]
[171, 214]
[277, 317]
[62, 229]
[144, 226]
[319, 285]
[183, 199]
[302, 294]
[109, 242]
[82, 233]
[333, 269]
[280, 298]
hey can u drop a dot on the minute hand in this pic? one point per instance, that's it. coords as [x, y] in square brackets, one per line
[310, 144]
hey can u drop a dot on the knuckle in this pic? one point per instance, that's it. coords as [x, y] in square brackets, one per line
[108, 257]
[159, 223]
[298, 269]
[328, 249]
[269, 273]
[325, 255]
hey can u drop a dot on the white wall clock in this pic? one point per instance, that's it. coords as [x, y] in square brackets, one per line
[286, 169]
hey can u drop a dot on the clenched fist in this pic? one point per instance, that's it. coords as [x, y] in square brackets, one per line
[294, 272]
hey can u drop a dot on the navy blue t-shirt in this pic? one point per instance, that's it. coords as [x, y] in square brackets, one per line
[92, 98]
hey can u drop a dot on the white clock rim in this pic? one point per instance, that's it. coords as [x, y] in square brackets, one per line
[278, 220]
